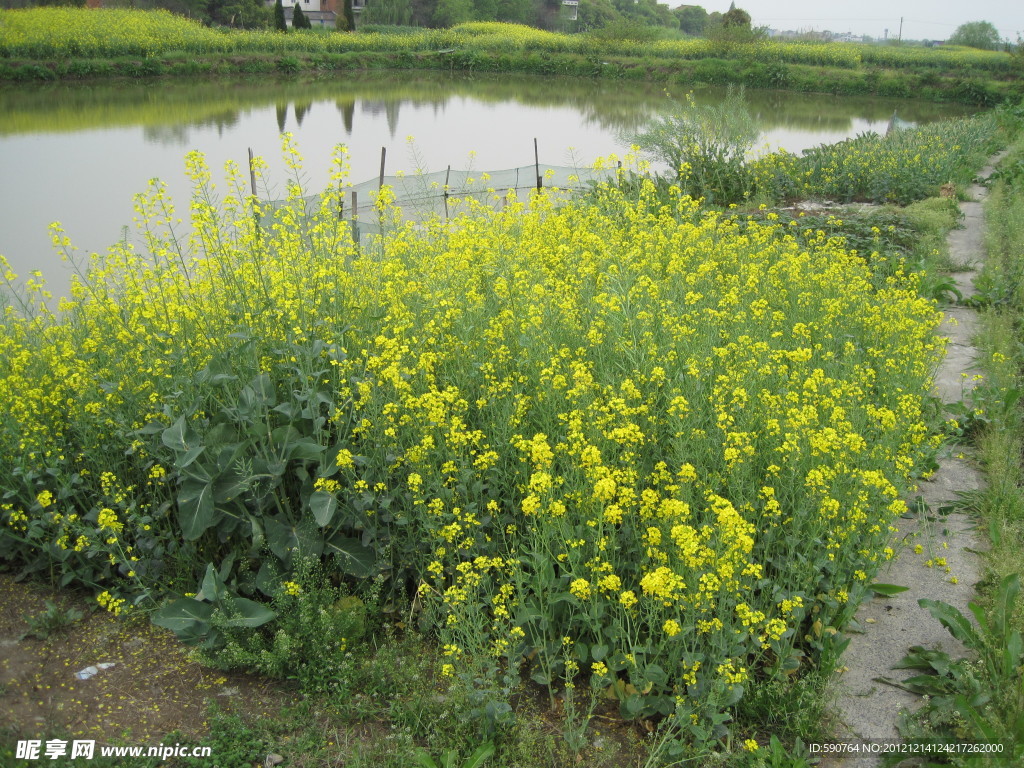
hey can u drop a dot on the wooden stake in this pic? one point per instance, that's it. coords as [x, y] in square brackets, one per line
[536, 164]
[252, 173]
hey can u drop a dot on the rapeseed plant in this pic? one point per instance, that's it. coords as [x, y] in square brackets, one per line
[625, 438]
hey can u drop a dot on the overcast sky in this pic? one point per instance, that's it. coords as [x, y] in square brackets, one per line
[922, 19]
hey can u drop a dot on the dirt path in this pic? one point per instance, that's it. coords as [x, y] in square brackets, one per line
[887, 627]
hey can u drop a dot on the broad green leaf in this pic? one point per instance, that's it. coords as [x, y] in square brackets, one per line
[231, 488]
[281, 538]
[259, 392]
[306, 449]
[480, 756]
[183, 614]
[888, 590]
[211, 588]
[733, 694]
[285, 436]
[598, 651]
[310, 538]
[178, 436]
[655, 674]
[189, 456]
[925, 658]
[323, 506]
[196, 512]
[355, 558]
[249, 613]
[582, 652]
[954, 621]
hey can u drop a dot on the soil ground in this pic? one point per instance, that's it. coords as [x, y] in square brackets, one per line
[152, 690]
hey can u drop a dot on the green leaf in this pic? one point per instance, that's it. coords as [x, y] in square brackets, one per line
[248, 613]
[481, 755]
[178, 436]
[929, 685]
[212, 586]
[258, 392]
[655, 674]
[196, 512]
[1002, 613]
[281, 538]
[230, 488]
[1012, 654]
[598, 651]
[954, 621]
[189, 456]
[184, 613]
[887, 590]
[541, 677]
[323, 506]
[732, 695]
[355, 558]
[424, 759]
[927, 659]
[306, 449]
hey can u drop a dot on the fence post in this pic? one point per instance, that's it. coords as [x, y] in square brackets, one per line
[446, 177]
[536, 164]
[252, 173]
[355, 220]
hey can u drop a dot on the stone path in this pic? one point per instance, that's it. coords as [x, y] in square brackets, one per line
[887, 627]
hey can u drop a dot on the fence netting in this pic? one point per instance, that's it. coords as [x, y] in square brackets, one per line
[444, 194]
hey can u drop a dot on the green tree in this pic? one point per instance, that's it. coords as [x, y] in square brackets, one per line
[347, 20]
[976, 34]
[299, 20]
[448, 13]
[279, 22]
[736, 18]
[595, 14]
[394, 12]
[692, 19]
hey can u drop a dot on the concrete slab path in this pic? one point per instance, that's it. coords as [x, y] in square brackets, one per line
[887, 627]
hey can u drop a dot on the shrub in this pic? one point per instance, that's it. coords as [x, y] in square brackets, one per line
[704, 146]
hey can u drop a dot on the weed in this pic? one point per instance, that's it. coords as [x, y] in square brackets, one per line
[51, 621]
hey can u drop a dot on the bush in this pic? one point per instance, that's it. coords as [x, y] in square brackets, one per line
[704, 146]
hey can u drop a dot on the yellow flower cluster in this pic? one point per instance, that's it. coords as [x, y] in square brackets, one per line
[614, 420]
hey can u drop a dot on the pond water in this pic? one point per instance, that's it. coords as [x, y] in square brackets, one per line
[78, 153]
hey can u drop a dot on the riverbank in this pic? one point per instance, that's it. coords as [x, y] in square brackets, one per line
[46, 46]
[799, 78]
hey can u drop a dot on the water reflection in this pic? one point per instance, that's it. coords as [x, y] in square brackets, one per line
[611, 106]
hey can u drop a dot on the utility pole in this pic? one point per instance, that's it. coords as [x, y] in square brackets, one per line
[900, 38]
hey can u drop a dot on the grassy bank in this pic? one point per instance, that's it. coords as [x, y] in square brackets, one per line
[46, 44]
